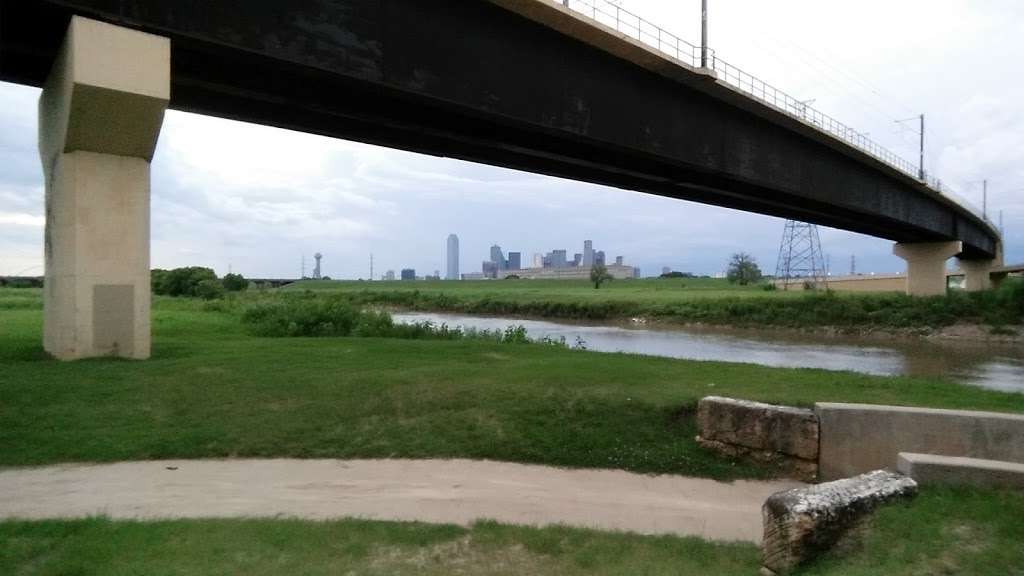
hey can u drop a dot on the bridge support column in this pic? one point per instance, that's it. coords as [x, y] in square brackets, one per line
[978, 273]
[926, 265]
[99, 119]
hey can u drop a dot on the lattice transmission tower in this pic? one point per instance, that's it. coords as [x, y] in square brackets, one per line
[800, 256]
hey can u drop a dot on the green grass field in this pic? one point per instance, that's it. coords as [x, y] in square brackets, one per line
[213, 390]
[654, 290]
[940, 532]
[685, 300]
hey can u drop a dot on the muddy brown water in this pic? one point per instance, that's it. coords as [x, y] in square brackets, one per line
[975, 363]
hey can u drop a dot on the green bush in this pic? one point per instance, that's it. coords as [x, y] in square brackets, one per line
[302, 317]
[181, 281]
[1010, 296]
[210, 290]
[235, 283]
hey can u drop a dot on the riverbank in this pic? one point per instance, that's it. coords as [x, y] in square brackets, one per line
[213, 390]
[994, 315]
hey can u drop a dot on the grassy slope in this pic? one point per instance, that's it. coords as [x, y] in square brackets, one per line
[211, 390]
[941, 532]
[689, 300]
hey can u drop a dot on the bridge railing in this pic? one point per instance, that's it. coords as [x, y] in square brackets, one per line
[634, 26]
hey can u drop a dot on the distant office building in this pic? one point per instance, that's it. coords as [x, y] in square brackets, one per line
[558, 259]
[408, 273]
[545, 261]
[599, 257]
[588, 253]
[636, 272]
[665, 270]
[538, 260]
[514, 261]
[473, 276]
[389, 275]
[577, 259]
[618, 260]
[498, 258]
[490, 269]
[453, 258]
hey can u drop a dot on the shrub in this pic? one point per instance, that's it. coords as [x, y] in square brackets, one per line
[209, 290]
[302, 317]
[180, 281]
[235, 283]
[1010, 296]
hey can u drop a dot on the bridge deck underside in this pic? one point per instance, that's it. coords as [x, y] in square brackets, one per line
[468, 79]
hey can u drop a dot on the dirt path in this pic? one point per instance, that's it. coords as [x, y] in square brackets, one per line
[443, 491]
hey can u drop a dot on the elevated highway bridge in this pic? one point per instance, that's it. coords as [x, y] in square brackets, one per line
[525, 84]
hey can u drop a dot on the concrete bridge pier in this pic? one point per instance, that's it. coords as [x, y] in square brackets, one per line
[926, 265]
[100, 115]
[978, 273]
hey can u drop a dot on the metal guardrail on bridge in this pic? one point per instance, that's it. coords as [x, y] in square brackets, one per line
[632, 25]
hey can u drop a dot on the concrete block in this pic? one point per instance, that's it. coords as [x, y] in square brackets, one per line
[782, 436]
[857, 438]
[931, 469]
[802, 523]
[783, 429]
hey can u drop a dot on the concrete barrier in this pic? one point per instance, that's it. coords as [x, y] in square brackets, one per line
[930, 469]
[781, 435]
[857, 438]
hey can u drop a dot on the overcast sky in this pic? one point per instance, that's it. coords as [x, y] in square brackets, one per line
[257, 199]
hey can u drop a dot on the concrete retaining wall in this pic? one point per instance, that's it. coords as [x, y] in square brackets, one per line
[858, 438]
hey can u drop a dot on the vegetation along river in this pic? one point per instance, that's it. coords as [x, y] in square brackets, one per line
[999, 367]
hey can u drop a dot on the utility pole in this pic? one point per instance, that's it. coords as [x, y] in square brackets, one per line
[984, 199]
[303, 276]
[921, 160]
[703, 33]
[371, 266]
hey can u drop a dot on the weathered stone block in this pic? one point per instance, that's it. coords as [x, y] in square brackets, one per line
[801, 523]
[783, 429]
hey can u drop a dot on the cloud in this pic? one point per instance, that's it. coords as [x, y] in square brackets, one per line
[15, 219]
[258, 199]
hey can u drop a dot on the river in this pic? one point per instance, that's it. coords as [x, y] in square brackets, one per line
[977, 364]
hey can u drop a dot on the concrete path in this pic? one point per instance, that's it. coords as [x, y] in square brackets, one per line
[441, 491]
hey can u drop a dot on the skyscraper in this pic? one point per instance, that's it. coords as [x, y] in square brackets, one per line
[599, 257]
[453, 258]
[498, 257]
[588, 253]
[558, 259]
[514, 260]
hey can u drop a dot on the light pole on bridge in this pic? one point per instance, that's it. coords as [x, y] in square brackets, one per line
[921, 157]
[703, 33]
[920, 164]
